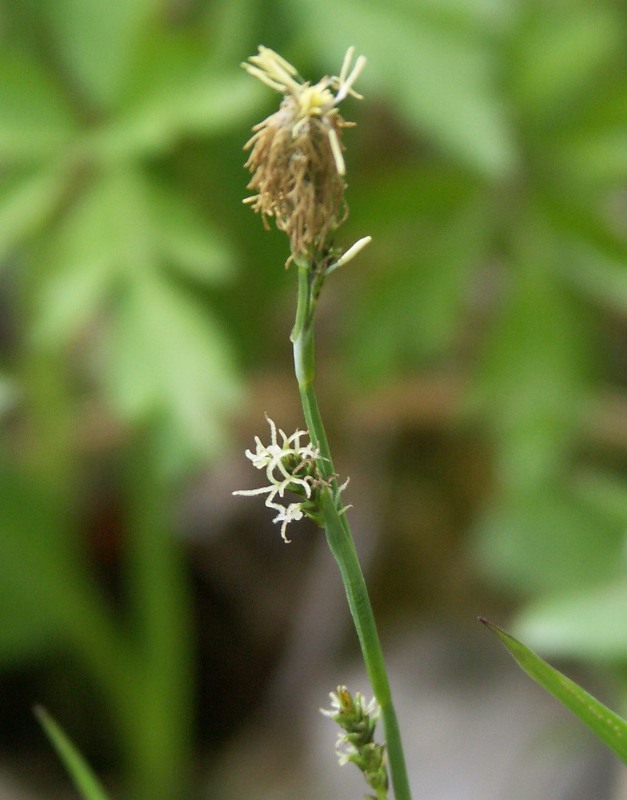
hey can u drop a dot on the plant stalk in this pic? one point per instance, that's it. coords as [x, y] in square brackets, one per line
[338, 532]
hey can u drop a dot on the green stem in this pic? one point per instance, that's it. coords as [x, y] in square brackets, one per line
[340, 539]
[343, 549]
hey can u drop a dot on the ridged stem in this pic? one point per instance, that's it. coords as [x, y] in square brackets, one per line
[338, 532]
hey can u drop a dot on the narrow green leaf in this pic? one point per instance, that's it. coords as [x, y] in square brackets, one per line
[604, 723]
[84, 779]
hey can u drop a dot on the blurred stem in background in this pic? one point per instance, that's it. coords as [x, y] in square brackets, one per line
[161, 620]
[141, 666]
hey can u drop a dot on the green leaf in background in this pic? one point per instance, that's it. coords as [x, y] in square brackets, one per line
[604, 723]
[410, 310]
[600, 155]
[173, 91]
[170, 361]
[26, 202]
[534, 372]
[547, 539]
[9, 394]
[606, 492]
[122, 224]
[102, 237]
[438, 65]
[84, 779]
[592, 244]
[231, 26]
[187, 241]
[35, 121]
[583, 623]
[96, 40]
[205, 105]
[600, 274]
[561, 48]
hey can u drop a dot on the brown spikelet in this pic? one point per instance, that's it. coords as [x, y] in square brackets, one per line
[295, 176]
[296, 156]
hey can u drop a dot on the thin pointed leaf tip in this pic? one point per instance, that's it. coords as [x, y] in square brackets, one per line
[608, 726]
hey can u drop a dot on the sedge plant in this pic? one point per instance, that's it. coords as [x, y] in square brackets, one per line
[298, 180]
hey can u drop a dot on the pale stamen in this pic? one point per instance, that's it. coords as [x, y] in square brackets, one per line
[336, 150]
[263, 76]
[346, 63]
[346, 87]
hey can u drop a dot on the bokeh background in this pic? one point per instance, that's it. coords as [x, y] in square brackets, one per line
[472, 368]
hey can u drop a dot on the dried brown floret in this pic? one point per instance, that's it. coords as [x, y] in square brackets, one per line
[296, 153]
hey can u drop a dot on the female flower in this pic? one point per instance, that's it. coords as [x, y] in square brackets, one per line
[290, 467]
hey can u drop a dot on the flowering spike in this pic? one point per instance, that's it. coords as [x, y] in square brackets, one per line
[358, 720]
[296, 156]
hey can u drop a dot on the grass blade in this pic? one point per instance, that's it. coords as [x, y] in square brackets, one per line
[84, 779]
[604, 723]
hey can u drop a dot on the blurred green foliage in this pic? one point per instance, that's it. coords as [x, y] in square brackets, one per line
[489, 165]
